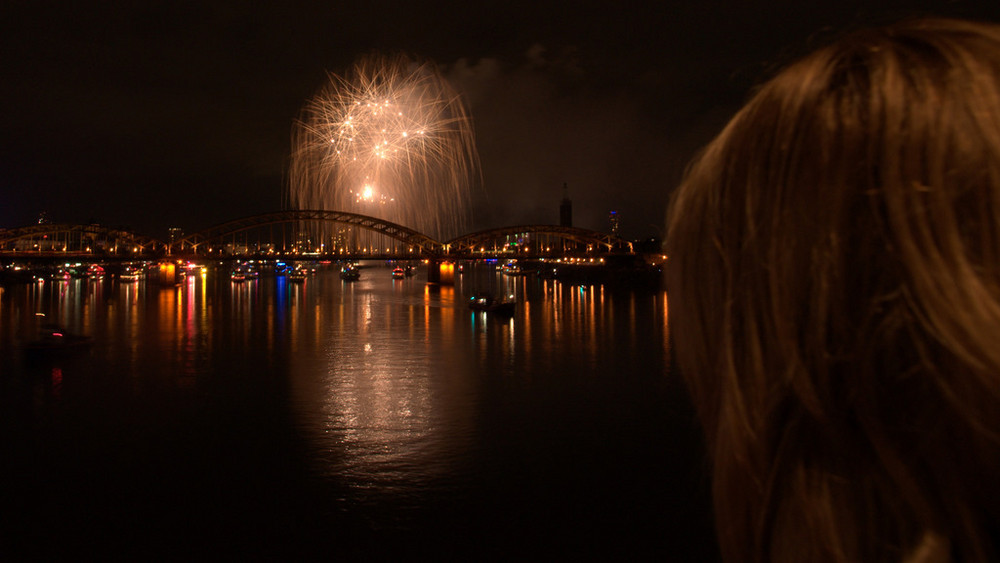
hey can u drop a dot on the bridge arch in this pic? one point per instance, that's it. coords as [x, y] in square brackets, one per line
[592, 240]
[95, 239]
[215, 235]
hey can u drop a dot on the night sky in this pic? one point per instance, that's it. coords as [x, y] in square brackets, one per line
[159, 114]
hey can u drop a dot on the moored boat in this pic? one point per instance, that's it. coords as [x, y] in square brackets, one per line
[61, 274]
[512, 268]
[95, 272]
[131, 273]
[56, 341]
[491, 304]
[244, 272]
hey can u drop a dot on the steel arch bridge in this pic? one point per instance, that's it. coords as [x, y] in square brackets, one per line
[59, 239]
[79, 239]
[467, 244]
[217, 234]
[421, 243]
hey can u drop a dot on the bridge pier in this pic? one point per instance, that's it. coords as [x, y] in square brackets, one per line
[440, 272]
[165, 273]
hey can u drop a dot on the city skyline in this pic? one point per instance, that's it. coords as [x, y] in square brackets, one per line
[159, 116]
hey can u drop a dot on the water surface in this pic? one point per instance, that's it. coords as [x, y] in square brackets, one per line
[370, 420]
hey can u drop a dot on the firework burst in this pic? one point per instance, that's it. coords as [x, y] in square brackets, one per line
[390, 139]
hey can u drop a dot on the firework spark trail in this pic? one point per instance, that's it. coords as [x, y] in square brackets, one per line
[390, 139]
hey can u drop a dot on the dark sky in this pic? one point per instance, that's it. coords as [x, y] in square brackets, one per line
[158, 114]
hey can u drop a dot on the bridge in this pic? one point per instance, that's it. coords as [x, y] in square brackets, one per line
[319, 234]
[60, 239]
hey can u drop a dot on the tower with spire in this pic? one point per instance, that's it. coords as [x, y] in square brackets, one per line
[565, 209]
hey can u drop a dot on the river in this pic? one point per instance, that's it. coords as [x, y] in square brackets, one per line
[365, 420]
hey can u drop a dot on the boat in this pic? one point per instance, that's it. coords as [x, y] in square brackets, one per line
[350, 273]
[61, 274]
[16, 274]
[244, 272]
[512, 268]
[191, 269]
[490, 304]
[409, 271]
[131, 273]
[56, 341]
[298, 274]
[398, 273]
[95, 272]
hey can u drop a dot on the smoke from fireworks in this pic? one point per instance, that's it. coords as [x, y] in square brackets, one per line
[390, 139]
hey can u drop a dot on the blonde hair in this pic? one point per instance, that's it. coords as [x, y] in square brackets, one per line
[834, 281]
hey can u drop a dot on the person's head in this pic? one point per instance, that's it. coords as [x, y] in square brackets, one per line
[834, 283]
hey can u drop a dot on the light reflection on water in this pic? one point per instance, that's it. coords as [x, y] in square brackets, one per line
[411, 408]
[371, 389]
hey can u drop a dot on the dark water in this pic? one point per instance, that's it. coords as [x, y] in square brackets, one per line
[367, 420]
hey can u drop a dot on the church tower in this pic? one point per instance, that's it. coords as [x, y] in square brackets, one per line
[565, 209]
